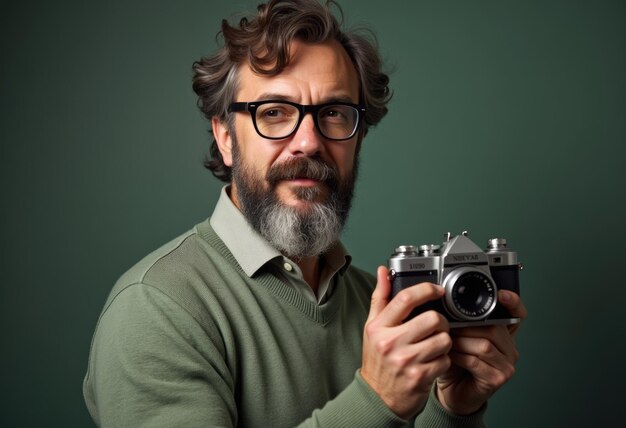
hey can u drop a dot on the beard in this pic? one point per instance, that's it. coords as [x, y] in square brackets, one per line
[297, 232]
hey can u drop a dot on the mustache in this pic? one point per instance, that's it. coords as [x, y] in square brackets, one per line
[304, 167]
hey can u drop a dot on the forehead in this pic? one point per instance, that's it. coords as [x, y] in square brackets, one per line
[316, 73]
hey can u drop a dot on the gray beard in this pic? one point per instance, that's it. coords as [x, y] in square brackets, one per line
[296, 233]
[299, 235]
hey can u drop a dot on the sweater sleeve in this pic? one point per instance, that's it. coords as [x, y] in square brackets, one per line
[434, 415]
[356, 406]
[151, 364]
[359, 406]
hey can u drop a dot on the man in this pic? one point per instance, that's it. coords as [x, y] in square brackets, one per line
[256, 317]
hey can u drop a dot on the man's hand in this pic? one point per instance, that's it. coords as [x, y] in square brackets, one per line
[401, 360]
[483, 360]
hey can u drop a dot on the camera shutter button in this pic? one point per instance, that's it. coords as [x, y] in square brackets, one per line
[429, 249]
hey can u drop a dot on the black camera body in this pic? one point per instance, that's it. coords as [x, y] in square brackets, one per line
[470, 277]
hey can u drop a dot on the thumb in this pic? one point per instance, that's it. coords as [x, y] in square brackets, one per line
[513, 303]
[380, 296]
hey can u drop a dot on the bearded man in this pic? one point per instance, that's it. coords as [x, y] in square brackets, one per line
[256, 317]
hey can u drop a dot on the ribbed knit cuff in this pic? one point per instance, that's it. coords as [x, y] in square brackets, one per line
[435, 415]
[356, 406]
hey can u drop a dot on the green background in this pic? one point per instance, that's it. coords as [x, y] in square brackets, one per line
[508, 119]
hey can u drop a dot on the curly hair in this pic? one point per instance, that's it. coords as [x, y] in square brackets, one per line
[263, 42]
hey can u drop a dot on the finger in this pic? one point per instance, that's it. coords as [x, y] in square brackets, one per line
[428, 359]
[424, 325]
[513, 303]
[429, 372]
[380, 296]
[432, 348]
[486, 351]
[497, 336]
[417, 354]
[421, 329]
[408, 299]
[490, 376]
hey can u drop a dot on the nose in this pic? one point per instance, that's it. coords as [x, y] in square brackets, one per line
[307, 141]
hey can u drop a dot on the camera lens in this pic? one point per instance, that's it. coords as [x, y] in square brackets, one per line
[470, 294]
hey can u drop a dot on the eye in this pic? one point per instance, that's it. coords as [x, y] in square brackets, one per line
[272, 113]
[332, 113]
[336, 114]
[276, 112]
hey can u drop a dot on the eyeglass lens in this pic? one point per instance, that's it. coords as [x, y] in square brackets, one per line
[279, 120]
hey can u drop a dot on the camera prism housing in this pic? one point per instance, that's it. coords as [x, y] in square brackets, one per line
[470, 277]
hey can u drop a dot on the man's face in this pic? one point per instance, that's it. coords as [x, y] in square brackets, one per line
[317, 73]
[296, 191]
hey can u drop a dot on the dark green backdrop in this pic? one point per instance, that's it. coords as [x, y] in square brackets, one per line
[509, 118]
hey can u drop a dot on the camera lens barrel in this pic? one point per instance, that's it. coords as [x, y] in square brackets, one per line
[470, 294]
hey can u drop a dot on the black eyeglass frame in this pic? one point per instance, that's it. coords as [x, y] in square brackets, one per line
[314, 109]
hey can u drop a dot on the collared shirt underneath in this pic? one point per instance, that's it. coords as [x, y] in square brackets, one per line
[253, 252]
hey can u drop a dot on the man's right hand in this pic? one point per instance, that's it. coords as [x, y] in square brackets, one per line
[401, 360]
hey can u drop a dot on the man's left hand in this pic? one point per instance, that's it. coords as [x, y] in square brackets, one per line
[483, 359]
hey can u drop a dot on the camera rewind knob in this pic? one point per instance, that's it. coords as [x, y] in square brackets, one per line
[407, 250]
[496, 244]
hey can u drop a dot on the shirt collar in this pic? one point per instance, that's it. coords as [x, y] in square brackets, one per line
[250, 249]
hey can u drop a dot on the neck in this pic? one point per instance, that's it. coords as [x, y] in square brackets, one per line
[310, 268]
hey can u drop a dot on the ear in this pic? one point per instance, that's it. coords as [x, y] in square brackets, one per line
[223, 139]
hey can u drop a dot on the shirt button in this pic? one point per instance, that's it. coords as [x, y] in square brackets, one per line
[288, 267]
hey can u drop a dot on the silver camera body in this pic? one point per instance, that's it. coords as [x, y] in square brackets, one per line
[470, 277]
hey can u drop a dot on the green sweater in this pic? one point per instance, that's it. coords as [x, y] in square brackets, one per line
[186, 338]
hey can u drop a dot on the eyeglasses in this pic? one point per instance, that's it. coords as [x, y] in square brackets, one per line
[277, 120]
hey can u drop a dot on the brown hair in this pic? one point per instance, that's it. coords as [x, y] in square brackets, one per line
[263, 42]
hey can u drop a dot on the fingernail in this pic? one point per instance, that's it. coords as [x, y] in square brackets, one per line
[505, 296]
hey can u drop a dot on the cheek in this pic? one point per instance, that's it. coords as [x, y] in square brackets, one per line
[343, 157]
[255, 153]
[259, 158]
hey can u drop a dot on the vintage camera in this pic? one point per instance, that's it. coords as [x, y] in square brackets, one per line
[470, 277]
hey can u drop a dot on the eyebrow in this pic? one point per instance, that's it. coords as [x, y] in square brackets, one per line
[283, 97]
